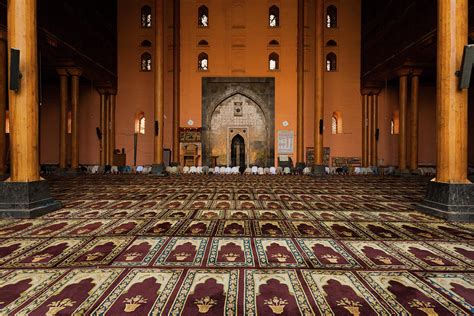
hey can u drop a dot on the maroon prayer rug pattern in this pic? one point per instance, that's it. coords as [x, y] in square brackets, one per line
[236, 245]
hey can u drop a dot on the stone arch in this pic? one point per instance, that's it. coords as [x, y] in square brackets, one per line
[246, 94]
[238, 115]
[260, 91]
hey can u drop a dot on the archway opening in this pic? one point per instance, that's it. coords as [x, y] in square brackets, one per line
[238, 152]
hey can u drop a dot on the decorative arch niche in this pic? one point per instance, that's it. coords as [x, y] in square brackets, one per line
[243, 106]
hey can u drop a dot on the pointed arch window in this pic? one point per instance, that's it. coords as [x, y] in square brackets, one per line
[146, 17]
[274, 16]
[273, 61]
[140, 123]
[336, 123]
[331, 62]
[331, 17]
[145, 43]
[331, 43]
[69, 122]
[395, 123]
[146, 62]
[203, 62]
[203, 43]
[203, 16]
[273, 43]
[7, 122]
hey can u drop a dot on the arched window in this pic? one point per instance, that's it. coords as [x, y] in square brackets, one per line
[69, 122]
[203, 62]
[331, 17]
[273, 61]
[140, 123]
[203, 43]
[146, 62]
[7, 122]
[331, 62]
[331, 43]
[336, 123]
[274, 16]
[203, 16]
[145, 43]
[395, 123]
[146, 17]
[273, 43]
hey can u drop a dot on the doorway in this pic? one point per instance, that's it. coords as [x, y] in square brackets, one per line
[238, 152]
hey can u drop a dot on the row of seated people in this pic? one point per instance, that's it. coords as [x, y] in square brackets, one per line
[233, 170]
[146, 169]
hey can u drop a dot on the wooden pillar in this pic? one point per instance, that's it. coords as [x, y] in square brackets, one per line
[451, 109]
[365, 127]
[75, 74]
[370, 129]
[63, 96]
[373, 132]
[103, 127]
[159, 95]
[402, 140]
[176, 79]
[24, 120]
[414, 119]
[24, 194]
[111, 144]
[3, 99]
[319, 82]
[300, 85]
[107, 128]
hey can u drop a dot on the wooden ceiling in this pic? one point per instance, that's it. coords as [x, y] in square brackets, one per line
[396, 33]
[80, 33]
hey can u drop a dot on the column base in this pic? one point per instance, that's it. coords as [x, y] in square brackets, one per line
[73, 172]
[402, 173]
[300, 167]
[158, 170]
[318, 171]
[26, 199]
[454, 202]
[61, 171]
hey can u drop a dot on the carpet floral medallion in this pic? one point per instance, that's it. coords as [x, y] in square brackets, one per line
[236, 245]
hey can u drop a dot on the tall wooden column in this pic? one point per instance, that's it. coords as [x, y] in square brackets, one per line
[63, 96]
[370, 129]
[3, 99]
[107, 128]
[451, 111]
[402, 101]
[24, 194]
[373, 133]
[300, 86]
[24, 114]
[319, 83]
[75, 74]
[415, 79]
[365, 129]
[111, 131]
[176, 79]
[159, 96]
[451, 195]
[103, 127]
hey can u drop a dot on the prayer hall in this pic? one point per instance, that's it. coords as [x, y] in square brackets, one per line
[236, 157]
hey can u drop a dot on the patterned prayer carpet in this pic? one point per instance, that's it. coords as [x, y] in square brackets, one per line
[236, 245]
